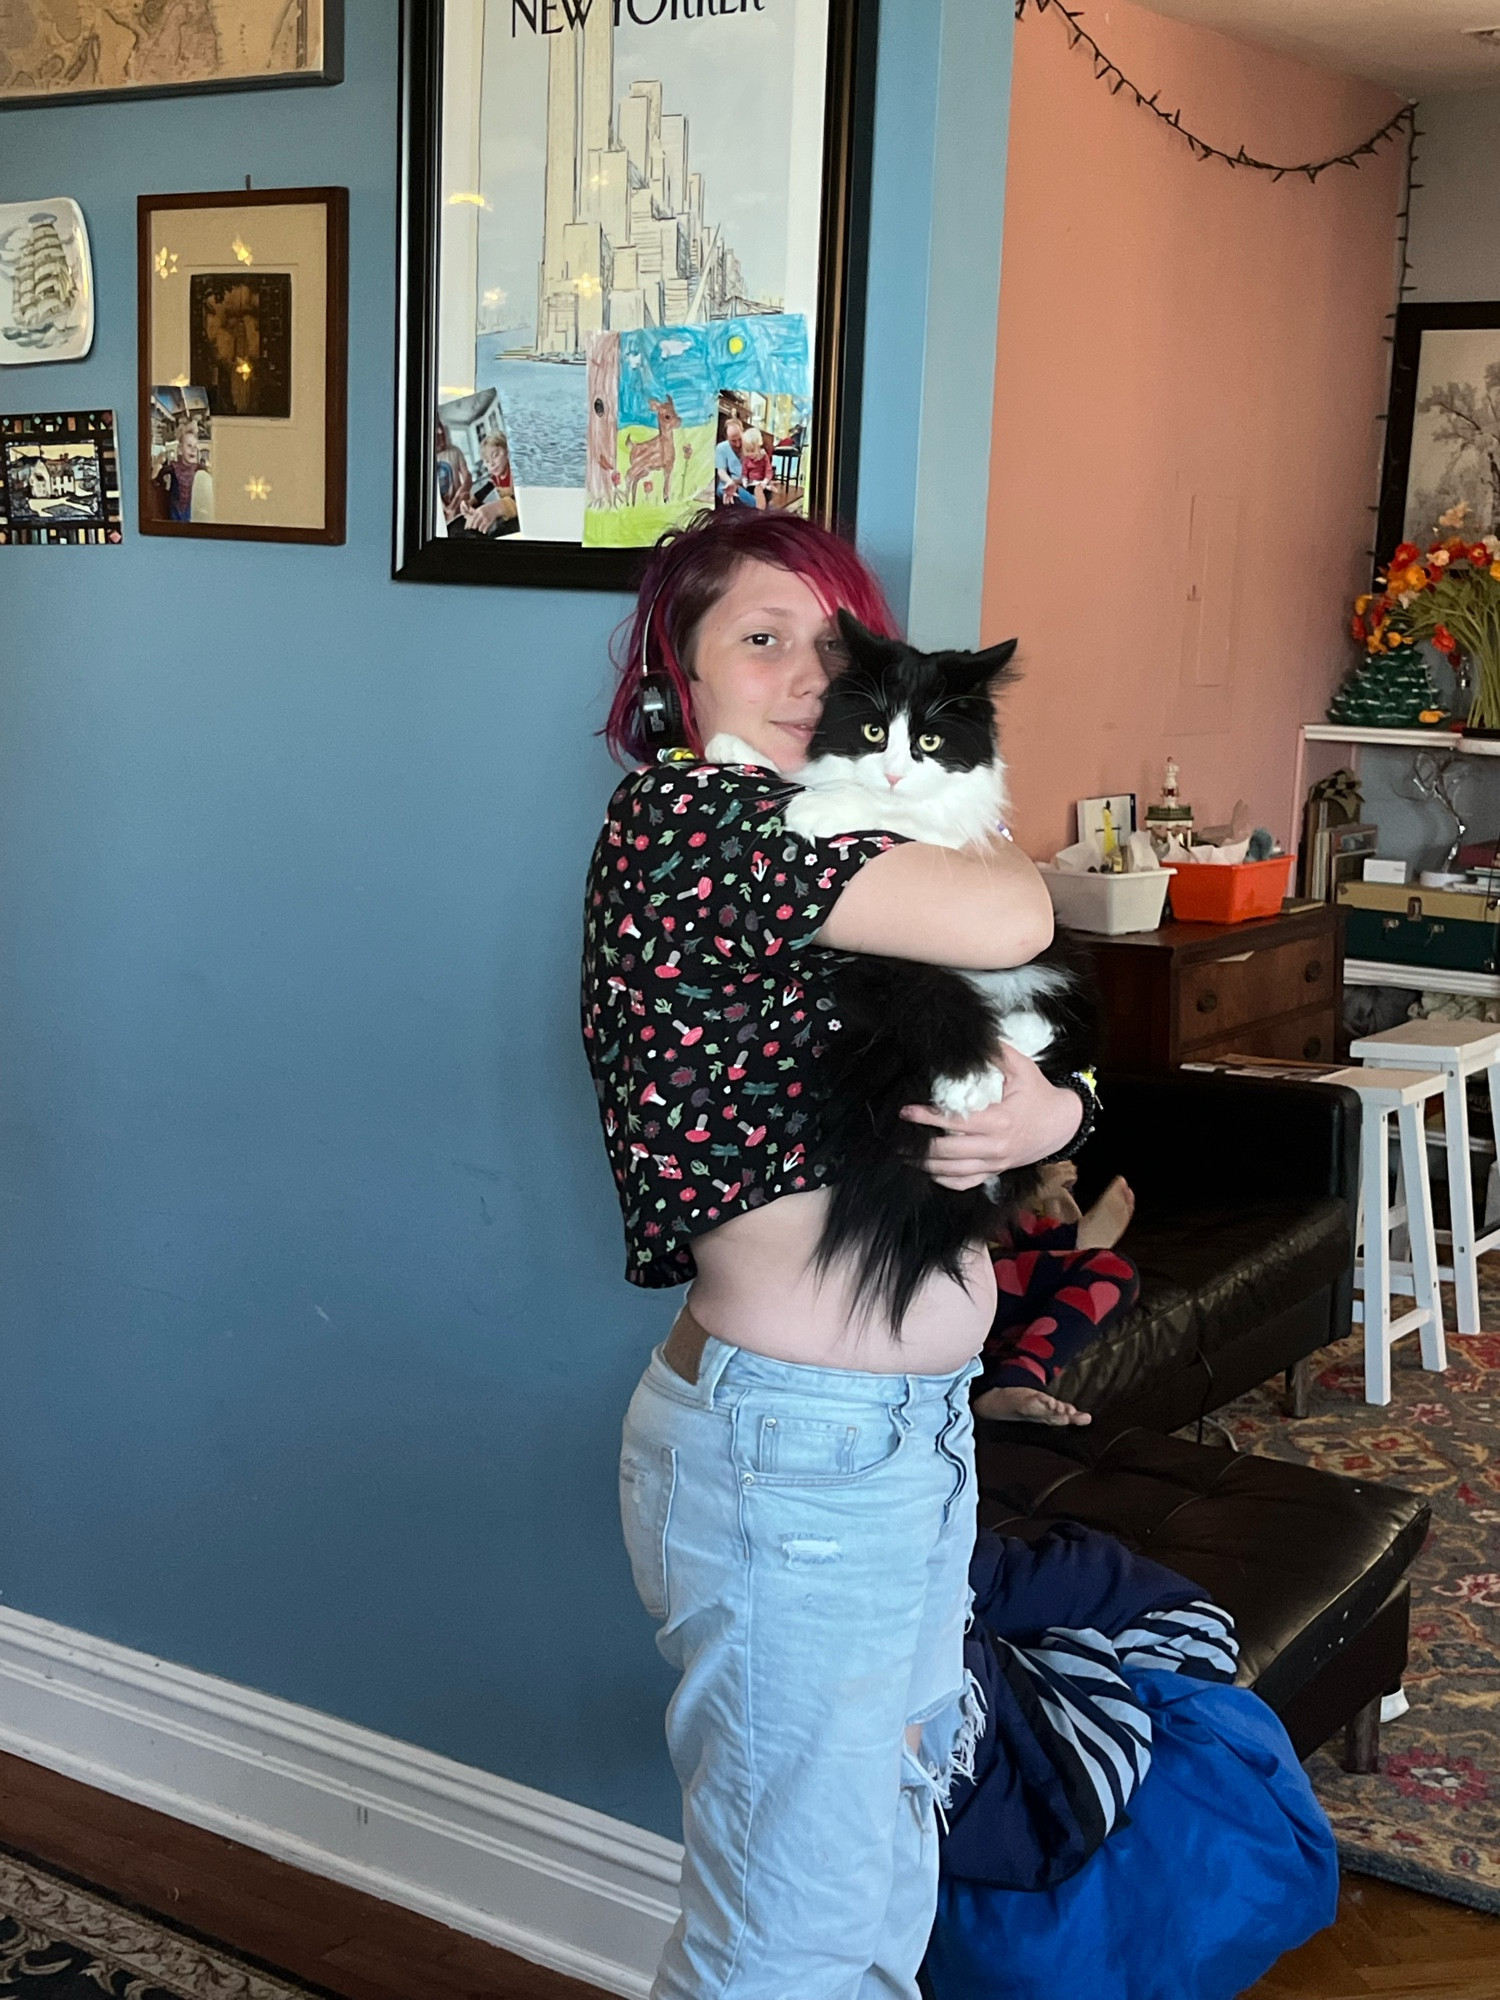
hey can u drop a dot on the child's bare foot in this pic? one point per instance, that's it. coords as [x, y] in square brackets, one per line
[1032, 1406]
[1109, 1218]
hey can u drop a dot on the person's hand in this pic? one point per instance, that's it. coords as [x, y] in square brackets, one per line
[1033, 1120]
[1033, 1406]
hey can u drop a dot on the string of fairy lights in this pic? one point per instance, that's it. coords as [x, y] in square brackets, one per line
[1109, 73]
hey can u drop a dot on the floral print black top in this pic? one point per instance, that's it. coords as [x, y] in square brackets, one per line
[705, 1004]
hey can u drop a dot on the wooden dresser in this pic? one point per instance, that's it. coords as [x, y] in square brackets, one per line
[1271, 987]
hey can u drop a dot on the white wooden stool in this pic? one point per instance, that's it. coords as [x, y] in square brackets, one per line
[1457, 1050]
[1402, 1093]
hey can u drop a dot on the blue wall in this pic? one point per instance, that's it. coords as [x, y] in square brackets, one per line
[937, 208]
[314, 1342]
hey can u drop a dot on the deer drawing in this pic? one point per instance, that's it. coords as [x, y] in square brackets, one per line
[655, 453]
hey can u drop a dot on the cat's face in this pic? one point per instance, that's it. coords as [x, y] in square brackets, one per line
[906, 724]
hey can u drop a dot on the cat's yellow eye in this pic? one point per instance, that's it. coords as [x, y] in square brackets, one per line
[929, 743]
[874, 733]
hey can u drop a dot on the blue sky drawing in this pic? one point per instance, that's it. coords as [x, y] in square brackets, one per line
[767, 353]
[664, 361]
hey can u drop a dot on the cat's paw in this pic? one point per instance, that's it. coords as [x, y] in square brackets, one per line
[961, 1095]
[825, 812]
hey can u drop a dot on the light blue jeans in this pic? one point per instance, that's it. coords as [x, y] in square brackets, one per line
[802, 1536]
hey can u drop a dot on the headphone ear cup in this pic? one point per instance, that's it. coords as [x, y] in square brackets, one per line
[661, 712]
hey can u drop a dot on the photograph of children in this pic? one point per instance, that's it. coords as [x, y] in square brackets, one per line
[182, 483]
[476, 492]
[240, 341]
[764, 378]
[54, 485]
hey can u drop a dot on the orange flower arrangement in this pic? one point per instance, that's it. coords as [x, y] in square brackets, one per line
[1447, 594]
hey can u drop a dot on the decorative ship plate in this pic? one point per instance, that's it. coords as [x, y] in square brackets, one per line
[46, 282]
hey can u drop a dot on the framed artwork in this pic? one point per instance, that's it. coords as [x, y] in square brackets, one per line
[243, 364]
[634, 238]
[46, 282]
[59, 479]
[1442, 441]
[79, 51]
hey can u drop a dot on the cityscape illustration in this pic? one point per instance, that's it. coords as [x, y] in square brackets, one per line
[626, 242]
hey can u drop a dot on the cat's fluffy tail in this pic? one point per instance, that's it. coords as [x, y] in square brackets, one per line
[903, 1027]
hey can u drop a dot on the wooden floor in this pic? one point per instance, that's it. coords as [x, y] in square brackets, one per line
[1394, 1943]
[1387, 1941]
[334, 1938]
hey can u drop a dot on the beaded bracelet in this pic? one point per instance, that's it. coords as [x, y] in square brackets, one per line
[1085, 1084]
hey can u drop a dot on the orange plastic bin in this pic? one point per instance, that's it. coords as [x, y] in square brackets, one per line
[1209, 895]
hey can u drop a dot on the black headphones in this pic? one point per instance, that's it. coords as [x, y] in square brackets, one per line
[661, 707]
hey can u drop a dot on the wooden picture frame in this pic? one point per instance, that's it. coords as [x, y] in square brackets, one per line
[290, 46]
[250, 291]
[1459, 341]
[814, 464]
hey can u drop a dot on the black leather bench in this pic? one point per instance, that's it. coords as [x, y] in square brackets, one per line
[1312, 1566]
[1246, 1192]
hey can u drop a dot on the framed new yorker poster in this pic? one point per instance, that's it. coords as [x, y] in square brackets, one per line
[634, 236]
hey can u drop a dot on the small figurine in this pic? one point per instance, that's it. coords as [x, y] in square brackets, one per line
[1112, 854]
[1170, 819]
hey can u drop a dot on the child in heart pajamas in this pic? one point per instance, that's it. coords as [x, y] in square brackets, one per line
[1062, 1283]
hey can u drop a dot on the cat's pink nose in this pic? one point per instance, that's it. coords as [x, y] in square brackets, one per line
[893, 778]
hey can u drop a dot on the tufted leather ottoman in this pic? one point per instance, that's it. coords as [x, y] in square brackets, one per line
[1312, 1566]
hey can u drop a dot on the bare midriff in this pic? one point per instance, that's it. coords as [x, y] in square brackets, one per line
[758, 1288]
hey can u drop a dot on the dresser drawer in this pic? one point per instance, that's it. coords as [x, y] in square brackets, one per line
[1216, 996]
[1309, 1037]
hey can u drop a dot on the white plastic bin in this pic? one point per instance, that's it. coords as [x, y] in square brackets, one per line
[1108, 903]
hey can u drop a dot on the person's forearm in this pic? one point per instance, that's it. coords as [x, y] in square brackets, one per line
[984, 908]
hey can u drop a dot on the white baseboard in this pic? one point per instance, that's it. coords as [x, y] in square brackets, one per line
[554, 1882]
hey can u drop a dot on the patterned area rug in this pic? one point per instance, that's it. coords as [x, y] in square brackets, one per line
[1430, 1818]
[62, 1942]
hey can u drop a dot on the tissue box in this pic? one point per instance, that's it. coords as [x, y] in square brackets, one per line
[1230, 895]
[1108, 903]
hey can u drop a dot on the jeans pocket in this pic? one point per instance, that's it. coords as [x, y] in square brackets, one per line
[648, 1479]
[812, 1451]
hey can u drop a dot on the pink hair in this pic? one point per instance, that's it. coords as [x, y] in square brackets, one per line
[689, 570]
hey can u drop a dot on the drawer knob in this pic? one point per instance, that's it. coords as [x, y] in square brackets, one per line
[1312, 972]
[1313, 1046]
[1207, 1002]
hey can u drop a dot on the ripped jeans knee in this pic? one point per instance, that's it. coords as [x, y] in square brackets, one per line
[947, 1736]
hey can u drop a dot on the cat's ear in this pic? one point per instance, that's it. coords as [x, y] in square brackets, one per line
[967, 673]
[866, 646]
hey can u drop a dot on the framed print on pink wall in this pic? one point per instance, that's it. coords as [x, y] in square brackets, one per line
[632, 284]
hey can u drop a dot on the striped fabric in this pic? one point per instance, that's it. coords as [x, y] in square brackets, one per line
[1074, 1736]
[1196, 1639]
[1100, 1733]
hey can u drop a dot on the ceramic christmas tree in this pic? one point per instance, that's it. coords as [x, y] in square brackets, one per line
[1389, 690]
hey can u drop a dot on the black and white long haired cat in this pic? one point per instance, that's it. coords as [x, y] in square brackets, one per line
[907, 745]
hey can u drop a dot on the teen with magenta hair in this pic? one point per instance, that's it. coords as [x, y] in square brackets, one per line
[796, 1479]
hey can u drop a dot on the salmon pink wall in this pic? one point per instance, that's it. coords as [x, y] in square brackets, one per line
[1190, 371]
